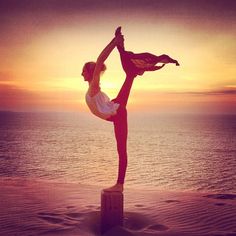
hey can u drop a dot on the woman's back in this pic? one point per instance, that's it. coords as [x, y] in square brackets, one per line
[101, 105]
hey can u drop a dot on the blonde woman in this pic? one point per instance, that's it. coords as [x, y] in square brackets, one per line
[115, 110]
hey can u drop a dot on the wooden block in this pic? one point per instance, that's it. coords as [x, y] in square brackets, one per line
[112, 209]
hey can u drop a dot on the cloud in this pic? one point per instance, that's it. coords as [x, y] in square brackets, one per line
[16, 98]
[221, 91]
[13, 97]
[9, 92]
[5, 76]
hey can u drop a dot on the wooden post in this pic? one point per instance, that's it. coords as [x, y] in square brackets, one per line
[112, 209]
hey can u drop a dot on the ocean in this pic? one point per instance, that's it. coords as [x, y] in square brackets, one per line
[170, 152]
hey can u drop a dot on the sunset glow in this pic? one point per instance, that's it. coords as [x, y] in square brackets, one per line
[44, 44]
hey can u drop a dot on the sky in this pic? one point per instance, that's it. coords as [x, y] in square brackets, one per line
[44, 45]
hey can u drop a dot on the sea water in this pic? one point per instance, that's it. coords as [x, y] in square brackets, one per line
[165, 151]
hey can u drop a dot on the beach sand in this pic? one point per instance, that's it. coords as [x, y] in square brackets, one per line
[31, 207]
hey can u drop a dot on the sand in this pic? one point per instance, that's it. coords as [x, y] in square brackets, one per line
[32, 207]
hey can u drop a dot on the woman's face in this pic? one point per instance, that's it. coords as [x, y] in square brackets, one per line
[85, 74]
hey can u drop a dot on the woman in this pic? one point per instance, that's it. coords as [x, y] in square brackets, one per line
[115, 110]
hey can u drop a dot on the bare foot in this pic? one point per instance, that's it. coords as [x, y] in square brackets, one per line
[118, 31]
[115, 188]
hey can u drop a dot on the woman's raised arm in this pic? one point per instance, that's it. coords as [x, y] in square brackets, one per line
[101, 59]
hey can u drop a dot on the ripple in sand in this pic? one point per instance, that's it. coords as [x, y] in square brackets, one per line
[139, 205]
[222, 196]
[171, 201]
[158, 227]
[48, 214]
[91, 206]
[75, 215]
[56, 231]
[51, 219]
[220, 204]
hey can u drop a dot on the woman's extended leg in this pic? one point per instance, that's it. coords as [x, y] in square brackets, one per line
[123, 95]
[138, 63]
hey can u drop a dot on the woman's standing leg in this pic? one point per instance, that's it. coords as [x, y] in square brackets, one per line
[121, 134]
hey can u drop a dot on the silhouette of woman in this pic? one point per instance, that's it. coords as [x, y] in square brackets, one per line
[115, 110]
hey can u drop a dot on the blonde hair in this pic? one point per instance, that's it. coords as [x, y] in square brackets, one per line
[90, 67]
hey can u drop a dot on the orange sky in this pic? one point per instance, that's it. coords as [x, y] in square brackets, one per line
[44, 44]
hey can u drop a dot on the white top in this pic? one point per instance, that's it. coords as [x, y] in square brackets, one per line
[101, 105]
